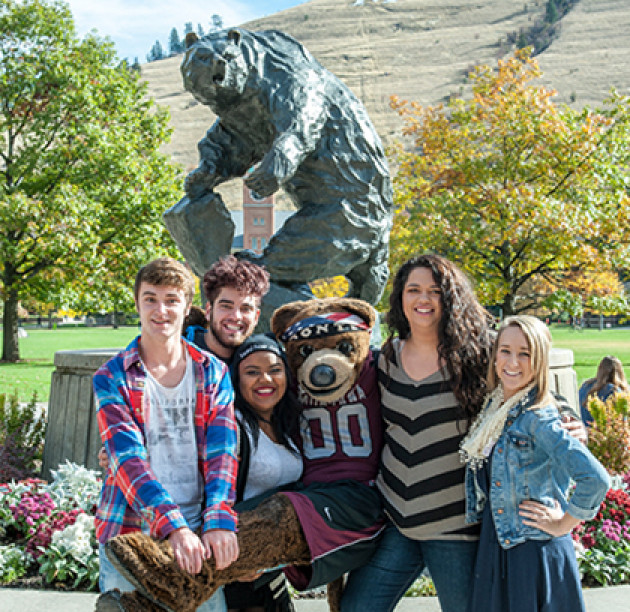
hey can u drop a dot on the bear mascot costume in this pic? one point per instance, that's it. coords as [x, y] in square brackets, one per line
[325, 525]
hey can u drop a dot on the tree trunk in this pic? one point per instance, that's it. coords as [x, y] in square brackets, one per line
[508, 305]
[10, 341]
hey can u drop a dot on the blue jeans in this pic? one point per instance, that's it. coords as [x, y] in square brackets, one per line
[109, 578]
[380, 584]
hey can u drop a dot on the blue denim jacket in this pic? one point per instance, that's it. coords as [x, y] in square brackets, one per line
[535, 459]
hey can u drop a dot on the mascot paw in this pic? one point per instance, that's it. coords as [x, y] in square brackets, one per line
[150, 566]
[115, 601]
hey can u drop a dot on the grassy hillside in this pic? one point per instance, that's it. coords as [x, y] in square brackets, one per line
[420, 50]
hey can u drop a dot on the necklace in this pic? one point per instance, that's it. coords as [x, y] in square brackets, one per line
[263, 419]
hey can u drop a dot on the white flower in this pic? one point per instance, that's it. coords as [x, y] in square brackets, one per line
[12, 556]
[617, 482]
[76, 539]
[75, 484]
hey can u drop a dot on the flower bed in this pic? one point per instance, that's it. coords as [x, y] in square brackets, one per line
[47, 534]
[47, 530]
[603, 543]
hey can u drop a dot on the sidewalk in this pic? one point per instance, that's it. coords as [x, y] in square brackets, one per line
[611, 599]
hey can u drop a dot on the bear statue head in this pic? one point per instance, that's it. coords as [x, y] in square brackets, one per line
[214, 69]
[327, 342]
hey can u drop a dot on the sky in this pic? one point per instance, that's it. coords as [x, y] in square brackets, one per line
[135, 25]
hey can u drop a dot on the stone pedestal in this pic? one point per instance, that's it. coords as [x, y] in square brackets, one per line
[563, 379]
[72, 433]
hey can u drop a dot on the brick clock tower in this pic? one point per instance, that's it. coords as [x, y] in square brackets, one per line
[257, 220]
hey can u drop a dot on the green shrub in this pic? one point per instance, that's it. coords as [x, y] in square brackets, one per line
[609, 437]
[22, 432]
[422, 587]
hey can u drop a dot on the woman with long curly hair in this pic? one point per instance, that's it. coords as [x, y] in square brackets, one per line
[432, 382]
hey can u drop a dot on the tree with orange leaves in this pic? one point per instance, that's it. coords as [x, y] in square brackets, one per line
[597, 291]
[512, 186]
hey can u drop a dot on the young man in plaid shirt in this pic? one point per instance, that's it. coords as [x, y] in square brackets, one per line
[165, 416]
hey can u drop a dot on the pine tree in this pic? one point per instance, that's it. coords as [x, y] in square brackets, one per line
[156, 53]
[175, 45]
[552, 12]
[217, 22]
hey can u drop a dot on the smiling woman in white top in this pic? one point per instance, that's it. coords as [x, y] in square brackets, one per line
[267, 412]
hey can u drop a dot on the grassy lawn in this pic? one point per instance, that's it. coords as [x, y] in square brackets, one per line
[38, 350]
[590, 345]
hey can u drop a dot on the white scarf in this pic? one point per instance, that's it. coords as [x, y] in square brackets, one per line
[488, 426]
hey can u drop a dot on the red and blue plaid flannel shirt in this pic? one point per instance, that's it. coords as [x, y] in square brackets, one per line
[132, 499]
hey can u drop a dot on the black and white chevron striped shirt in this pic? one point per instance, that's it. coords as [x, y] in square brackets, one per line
[421, 476]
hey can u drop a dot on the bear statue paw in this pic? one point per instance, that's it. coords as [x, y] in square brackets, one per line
[247, 255]
[199, 182]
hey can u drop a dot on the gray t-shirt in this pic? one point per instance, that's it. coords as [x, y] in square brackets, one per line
[171, 443]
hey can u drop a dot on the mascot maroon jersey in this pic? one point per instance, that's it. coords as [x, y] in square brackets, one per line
[343, 440]
[338, 508]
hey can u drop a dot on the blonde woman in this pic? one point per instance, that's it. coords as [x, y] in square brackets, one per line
[519, 465]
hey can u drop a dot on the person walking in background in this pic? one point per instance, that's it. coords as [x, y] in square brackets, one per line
[165, 416]
[520, 464]
[610, 379]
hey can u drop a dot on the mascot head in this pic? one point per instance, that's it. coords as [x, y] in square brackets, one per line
[327, 341]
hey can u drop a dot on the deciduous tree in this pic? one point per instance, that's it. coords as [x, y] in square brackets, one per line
[329, 287]
[598, 291]
[82, 184]
[513, 186]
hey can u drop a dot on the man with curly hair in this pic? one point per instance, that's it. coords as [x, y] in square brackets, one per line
[234, 290]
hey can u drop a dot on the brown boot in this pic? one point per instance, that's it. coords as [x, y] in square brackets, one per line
[115, 601]
[268, 536]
